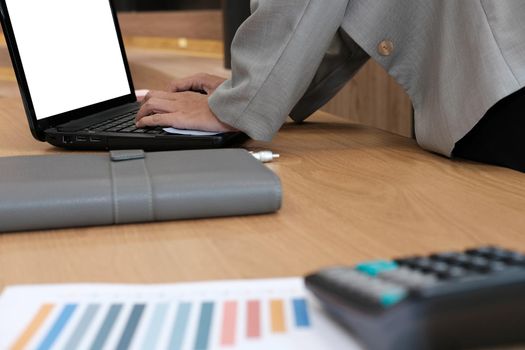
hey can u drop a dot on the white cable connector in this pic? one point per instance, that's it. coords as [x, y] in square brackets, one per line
[265, 156]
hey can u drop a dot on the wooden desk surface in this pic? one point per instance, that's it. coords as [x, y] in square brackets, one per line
[350, 194]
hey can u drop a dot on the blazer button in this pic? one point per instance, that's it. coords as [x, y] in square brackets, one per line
[385, 48]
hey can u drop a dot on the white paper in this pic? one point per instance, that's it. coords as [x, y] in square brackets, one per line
[20, 304]
[190, 132]
[141, 94]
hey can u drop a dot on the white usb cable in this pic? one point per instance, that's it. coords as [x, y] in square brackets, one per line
[265, 156]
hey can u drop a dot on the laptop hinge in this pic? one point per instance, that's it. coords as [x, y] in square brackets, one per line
[82, 123]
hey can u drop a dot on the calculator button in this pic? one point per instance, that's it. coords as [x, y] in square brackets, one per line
[502, 254]
[516, 259]
[409, 261]
[411, 279]
[392, 297]
[455, 272]
[507, 256]
[461, 260]
[446, 257]
[373, 268]
[440, 268]
[483, 251]
[424, 264]
[496, 266]
[351, 282]
[479, 264]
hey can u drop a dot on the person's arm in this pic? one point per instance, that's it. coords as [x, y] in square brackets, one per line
[275, 56]
[287, 55]
[342, 61]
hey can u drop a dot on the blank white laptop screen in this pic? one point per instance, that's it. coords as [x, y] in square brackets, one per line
[70, 53]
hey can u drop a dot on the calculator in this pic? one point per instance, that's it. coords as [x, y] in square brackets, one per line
[452, 300]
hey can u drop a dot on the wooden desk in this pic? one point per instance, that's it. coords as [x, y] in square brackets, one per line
[350, 194]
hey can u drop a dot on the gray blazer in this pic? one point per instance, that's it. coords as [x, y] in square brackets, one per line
[454, 58]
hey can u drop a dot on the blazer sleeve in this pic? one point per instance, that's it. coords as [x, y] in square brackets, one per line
[275, 56]
[341, 62]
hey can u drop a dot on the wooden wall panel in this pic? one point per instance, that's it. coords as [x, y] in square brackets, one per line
[178, 24]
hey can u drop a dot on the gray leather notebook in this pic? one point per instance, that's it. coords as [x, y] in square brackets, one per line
[73, 190]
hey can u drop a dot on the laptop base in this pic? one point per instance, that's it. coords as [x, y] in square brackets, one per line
[151, 143]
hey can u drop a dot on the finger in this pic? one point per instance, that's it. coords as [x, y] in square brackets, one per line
[192, 83]
[155, 106]
[165, 95]
[168, 119]
[178, 120]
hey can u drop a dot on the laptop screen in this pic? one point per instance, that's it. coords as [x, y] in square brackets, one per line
[70, 53]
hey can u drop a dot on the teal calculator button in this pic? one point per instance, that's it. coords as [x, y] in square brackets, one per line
[392, 298]
[373, 268]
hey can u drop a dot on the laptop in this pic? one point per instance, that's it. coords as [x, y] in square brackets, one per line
[75, 81]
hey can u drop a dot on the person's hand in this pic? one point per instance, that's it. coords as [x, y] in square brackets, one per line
[183, 110]
[201, 82]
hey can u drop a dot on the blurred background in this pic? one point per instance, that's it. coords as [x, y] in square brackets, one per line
[234, 13]
[165, 5]
[170, 39]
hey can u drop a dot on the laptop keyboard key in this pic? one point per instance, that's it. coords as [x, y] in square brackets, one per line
[128, 129]
[124, 123]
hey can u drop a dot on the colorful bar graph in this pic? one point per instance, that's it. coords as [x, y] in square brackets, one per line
[229, 322]
[253, 319]
[180, 326]
[193, 324]
[254, 314]
[82, 326]
[277, 316]
[33, 327]
[57, 327]
[106, 327]
[157, 321]
[301, 313]
[131, 326]
[203, 330]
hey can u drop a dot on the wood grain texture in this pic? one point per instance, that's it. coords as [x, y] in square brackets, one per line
[5, 60]
[152, 69]
[205, 24]
[351, 193]
[373, 98]
[181, 46]
[202, 24]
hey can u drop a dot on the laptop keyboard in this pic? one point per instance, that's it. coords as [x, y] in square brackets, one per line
[122, 124]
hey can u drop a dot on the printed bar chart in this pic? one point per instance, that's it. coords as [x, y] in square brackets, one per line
[229, 323]
[253, 319]
[180, 325]
[31, 329]
[277, 312]
[220, 315]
